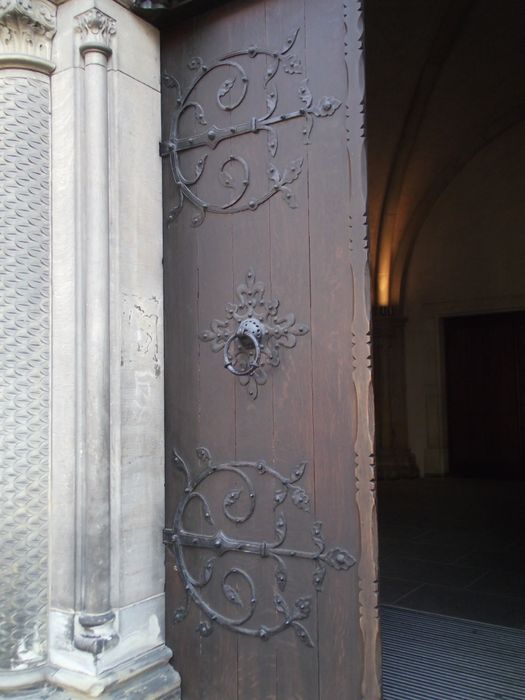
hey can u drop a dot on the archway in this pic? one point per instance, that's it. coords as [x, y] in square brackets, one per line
[446, 143]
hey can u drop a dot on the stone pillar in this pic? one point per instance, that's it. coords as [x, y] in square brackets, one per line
[96, 620]
[107, 495]
[26, 31]
[81, 378]
[393, 456]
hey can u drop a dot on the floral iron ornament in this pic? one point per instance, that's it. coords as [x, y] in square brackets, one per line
[252, 334]
[238, 507]
[234, 170]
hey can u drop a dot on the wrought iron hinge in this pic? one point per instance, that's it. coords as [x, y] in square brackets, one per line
[168, 535]
[165, 148]
[233, 169]
[238, 586]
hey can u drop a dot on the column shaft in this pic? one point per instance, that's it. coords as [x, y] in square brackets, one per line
[97, 542]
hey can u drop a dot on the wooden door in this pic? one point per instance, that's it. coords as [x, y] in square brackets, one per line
[271, 534]
[485, 366]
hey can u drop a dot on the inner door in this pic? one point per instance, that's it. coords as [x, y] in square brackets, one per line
[270, 536]
[485, 368]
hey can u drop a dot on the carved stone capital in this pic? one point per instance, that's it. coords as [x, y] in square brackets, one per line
[96, 30]
[27, 28]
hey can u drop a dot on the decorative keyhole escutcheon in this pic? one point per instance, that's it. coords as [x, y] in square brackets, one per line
[252, 335]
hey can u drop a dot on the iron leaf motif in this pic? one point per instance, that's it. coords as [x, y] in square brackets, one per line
[238, 587]
[282, 331]
[230, 94]
[303, 635]
[281, 575]
[301, 499]
[231, 595]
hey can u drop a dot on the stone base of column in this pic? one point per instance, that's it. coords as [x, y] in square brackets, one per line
[161, 683]
[158, 684]
[396, 464]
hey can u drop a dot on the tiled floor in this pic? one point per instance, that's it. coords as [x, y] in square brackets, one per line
[455, 547]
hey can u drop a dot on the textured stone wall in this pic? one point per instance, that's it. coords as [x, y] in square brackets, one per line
[24, 368]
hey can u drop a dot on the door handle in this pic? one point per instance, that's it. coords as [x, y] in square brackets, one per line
[250, 334]
[253, 334]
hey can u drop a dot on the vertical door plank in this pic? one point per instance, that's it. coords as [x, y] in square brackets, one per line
[181, 365]
[333, 389]
[217, 397]
[254, 418]
[297, 665]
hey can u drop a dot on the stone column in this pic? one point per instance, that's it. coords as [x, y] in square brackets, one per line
[81, 355]
[26, 31]
[107, 495]
[95, 622]
[393, 456]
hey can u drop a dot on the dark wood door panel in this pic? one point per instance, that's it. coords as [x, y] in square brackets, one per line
[485, 361]
[281, 509]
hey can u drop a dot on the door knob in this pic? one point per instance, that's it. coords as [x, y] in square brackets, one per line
[250, 334]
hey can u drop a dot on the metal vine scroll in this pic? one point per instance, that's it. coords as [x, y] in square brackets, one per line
[234, 170]
[238, 507]
[258, 337]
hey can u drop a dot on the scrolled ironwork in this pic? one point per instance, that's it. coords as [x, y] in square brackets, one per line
[249, 360]
[237, 586]
[234, 171]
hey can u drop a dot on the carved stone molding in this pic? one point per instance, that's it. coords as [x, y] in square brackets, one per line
[96, 30]
[27, 28]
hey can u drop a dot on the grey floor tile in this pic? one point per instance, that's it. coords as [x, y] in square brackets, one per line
[446, 553]
[430, 572]
[450, 535]
[512, 562]
[467, 540]
[500, 583]
[466, 604]
[391, 589]
[389, 546]
[399, 531]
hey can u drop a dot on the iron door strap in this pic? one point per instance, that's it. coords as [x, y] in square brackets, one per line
[238, 507]
[234, 170]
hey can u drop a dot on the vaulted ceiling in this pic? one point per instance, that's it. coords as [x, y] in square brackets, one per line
[444, 79]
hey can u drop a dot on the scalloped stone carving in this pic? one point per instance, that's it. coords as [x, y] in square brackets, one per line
[24, 369]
